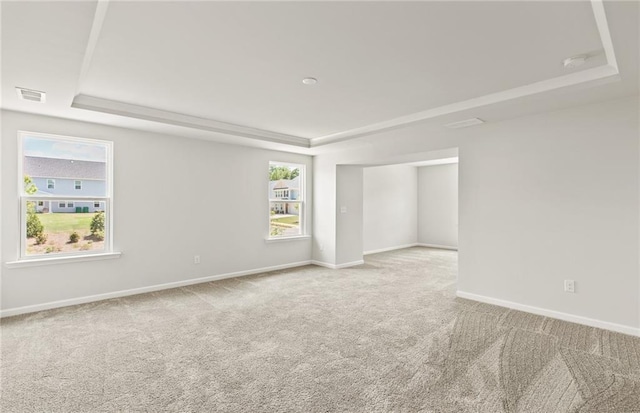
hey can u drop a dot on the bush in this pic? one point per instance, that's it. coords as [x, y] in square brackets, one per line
[34, 226]
[41, 238]
[99, 235]
[97, 224]
[74, 237]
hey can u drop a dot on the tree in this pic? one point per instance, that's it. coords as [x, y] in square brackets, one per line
[29, 187]
[282, 172]
[34, 226]
[97, 225]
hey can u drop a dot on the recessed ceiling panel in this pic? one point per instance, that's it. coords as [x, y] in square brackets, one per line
[244, 63]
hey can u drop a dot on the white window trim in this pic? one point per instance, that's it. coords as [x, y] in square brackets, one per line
[107, 199]
[53, 181]
[300, 201]
[75, 187]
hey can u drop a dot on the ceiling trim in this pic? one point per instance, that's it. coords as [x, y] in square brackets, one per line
[96, 28]
[590, 75]
[178, 119]
[607, 72]
[598, 74]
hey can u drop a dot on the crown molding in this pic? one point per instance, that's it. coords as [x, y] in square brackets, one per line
[593, 76]
[178, 119]
[596, 75]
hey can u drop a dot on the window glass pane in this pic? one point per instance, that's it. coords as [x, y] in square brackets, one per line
[285, 208]
[64, 167]
[284, 219]
[54, 229]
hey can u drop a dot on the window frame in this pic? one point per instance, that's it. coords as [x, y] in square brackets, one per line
[76, 186]
[53, 181]
[24, 198]
[301, 201]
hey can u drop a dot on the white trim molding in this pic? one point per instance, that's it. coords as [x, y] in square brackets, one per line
[158, 287]
[67, 259]
[129, 110]
[619, 328]
[440, 247]
[399, 247]
[337, 266]
[593, 76]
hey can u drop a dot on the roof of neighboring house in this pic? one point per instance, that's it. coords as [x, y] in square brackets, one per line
[283, 184]
[40, 167]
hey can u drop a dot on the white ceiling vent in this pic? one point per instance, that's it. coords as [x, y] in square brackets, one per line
[32, 95]
[464, 123]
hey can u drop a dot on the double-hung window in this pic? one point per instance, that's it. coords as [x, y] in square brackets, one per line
[286, 200]
[52, 170]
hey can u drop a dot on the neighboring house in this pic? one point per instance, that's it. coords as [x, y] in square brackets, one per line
[62, 178]
[285, 190]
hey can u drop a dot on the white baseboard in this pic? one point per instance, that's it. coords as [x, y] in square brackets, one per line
[158, 287]
[399, 247]
[338, 266]
[442, 247]
[552, 314]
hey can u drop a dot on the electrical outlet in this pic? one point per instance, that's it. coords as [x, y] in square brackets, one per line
[569, 286]
[321, 247]
[196, 259]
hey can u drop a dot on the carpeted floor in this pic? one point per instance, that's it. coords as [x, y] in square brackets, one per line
[387, 336]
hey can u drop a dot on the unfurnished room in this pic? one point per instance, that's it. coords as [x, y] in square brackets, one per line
[320, 206]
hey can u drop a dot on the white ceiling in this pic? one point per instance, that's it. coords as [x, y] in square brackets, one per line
[232, 71]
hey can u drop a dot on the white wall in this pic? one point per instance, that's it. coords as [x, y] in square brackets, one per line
[174, 198]
[349, 219]
[438, 205]
[543, 198]
[390, 207]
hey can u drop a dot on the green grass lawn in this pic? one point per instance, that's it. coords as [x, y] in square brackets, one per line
[287, 220]
[66, 222]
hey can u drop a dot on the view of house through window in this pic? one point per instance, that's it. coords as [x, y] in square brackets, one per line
[286, 199]
[65, 195]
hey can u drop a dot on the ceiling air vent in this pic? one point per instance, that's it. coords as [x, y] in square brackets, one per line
[464, 123]
[32, 95]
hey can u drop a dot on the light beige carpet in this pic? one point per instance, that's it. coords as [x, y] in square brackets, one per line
[387, 336]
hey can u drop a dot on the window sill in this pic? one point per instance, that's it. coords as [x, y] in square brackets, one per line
[281, 239]
[61, 260]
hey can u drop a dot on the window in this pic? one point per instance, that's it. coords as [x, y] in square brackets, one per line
[96, 204]
[45, 159]
[286, 211]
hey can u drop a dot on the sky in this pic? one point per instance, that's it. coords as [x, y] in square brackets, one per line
[35, 146]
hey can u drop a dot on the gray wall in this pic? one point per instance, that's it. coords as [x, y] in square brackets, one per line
[390, 207]
[158, 239]
[438, 205]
